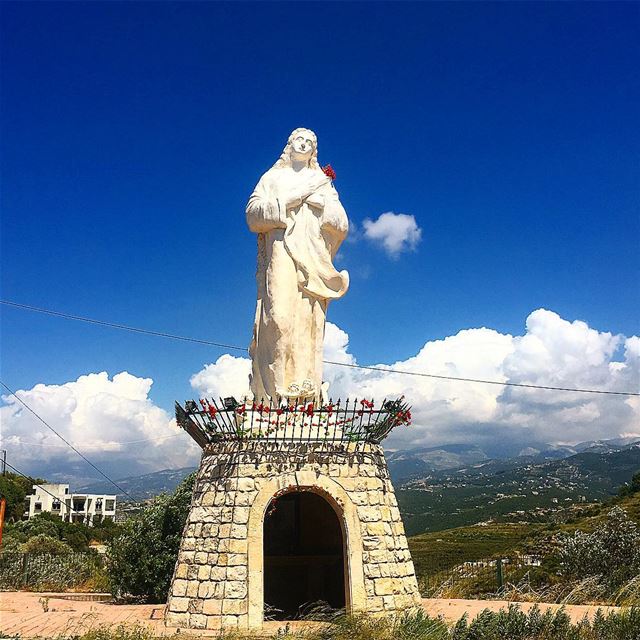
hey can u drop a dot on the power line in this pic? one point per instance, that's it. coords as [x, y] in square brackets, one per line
[46, 424]
[339, 364]
[496, 382]
[102, 444]
[124, 327]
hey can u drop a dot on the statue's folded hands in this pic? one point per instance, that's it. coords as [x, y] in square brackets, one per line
[316, 201]
[302, 191]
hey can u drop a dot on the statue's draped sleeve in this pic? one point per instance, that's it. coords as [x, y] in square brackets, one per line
[264, 210]
[334, 221]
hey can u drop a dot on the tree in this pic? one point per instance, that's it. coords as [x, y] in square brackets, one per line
[143, 556]
[632, 487]
[15, 489]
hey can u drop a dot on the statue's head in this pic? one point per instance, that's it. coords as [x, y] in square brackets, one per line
[301, 145]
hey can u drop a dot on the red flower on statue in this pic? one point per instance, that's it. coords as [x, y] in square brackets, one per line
[328, 171]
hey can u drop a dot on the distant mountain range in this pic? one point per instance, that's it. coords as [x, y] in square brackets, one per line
[141, 487]
[419, 463]
[432, 464]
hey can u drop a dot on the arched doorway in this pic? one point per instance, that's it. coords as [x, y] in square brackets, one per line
[304, 554]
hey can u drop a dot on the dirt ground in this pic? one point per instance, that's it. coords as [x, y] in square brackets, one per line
[47, 615]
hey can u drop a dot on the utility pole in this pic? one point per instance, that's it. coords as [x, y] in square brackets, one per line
[3, 504]
[3, 500]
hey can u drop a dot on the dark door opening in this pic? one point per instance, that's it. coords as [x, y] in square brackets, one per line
[303, 555]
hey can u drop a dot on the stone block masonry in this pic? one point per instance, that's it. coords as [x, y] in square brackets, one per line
[218, 580]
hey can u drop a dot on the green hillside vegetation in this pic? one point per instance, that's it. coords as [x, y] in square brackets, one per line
[445, 549]
[512, 491]
[18, 532]
[476, 542]
[75, 535]
[438, 556]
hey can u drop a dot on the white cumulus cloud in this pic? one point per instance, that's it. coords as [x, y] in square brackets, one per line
[112, 421]
[395, 232]
[117, 425]
[227, 376]
[552, 351]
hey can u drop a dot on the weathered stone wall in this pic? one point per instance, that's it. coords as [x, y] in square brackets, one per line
[218, 579]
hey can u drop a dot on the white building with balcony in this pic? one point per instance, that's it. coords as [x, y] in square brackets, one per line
[71, 507]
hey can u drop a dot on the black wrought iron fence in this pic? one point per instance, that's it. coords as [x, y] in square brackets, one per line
[297, 420]
[47, 571]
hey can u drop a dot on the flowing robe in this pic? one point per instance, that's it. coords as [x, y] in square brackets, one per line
[296, 280]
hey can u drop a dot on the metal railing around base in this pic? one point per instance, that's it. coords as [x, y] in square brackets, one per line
[210, 420]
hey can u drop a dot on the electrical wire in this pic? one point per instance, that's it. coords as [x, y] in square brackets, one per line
[124, 327]
[101, 444]
[339, 364]
[46, 424]
[496, 382]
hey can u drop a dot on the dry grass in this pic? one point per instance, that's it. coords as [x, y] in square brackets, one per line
[512, 624]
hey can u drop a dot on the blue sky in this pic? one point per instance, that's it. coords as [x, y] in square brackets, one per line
[133, 134]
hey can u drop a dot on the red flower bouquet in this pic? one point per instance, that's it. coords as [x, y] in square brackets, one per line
[328, 171]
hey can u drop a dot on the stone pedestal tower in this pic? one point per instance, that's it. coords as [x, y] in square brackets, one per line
[287, 516]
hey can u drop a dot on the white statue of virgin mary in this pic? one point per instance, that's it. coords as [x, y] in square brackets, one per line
[300, 223]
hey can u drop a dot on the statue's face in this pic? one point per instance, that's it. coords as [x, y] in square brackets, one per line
[302, 146]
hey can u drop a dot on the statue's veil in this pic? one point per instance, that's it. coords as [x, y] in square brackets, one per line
[285, 158]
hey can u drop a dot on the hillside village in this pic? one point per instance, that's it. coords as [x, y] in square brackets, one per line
[512, 489]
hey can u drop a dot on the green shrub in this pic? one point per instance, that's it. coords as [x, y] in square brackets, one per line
[142, 557]
[418, 626]
[76, 534]
[44, 544]
[513, 624]
[43, 523]
[516, 625]
[611, 551]
[121, 632]
[624, 625]
[411, 626]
